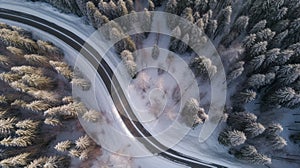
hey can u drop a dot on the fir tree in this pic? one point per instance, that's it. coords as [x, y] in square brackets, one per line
[183, 44]
[91, 9]
[258, 27]
[272, 129]
[63, 146]
[231, 138]
[276, 142]
[253, 129]
[245, 96]
[256, 62]
[223, 20]
[83, 142]
[258, 48]
[155, 52]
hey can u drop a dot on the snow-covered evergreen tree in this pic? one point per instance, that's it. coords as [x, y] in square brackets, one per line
[251, 155]
[256, 63]
[223, 20]
[265, 35]
[122, 9]
[258, 26]
[192, 114]
[234, 74]
[91, 9]
[245, 96]
[276, 141]
[272, 129]
[183, 44]
[155, 52]
[151, 5]
[249, 41]
[258, 48]
[253, 129]
[231, 138]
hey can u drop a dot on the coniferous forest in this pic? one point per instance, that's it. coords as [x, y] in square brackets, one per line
[259, 45]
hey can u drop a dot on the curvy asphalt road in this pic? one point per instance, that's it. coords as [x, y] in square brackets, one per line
[106, 73]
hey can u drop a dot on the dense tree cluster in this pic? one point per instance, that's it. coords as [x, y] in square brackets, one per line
[192, 114]
[35, 88]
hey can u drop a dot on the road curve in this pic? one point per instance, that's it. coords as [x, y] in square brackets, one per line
[106, 73]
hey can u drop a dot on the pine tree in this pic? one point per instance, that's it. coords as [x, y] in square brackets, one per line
[6, 126]
[127, 55]
[191, 112]
[172, 8]
[52, 121]
[223, 20]
[231, 138]
[271, 57]
[288, 74]
[202, 66]
[4, 61]
[37, 106]
[131, 67]
[245, 96]
[234, 74]
[258, 26]
[91, 9]
[146, 19]
[91, 116]
[15, 51]
[296, 48]
[45, 47]
[258, 48]
[278, 39]
[249, 41]
[176, 34]
[284, 57]
[155, 52]
[294, 102]
[272, 129]
[240, 24]
[238, 120]
[129, 5]
[151, 6]
[253, 129]
[280, 96]
[211, 28]
[99, 19]
[62, 68]
[256, 63]
[281, 25]
[83, 142]
[63, 146]
[251, 155]
[122, 9]
[201, 6]
[276, 142]
[113, 10]
[75, 153]
[104, 8]
[265, 35]
[22, 141]
[183, 44]
[15, 161]
[9, 77]
[256, 81]
[82, 83]
[3, 99]
[27, 124]
[84, 154]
